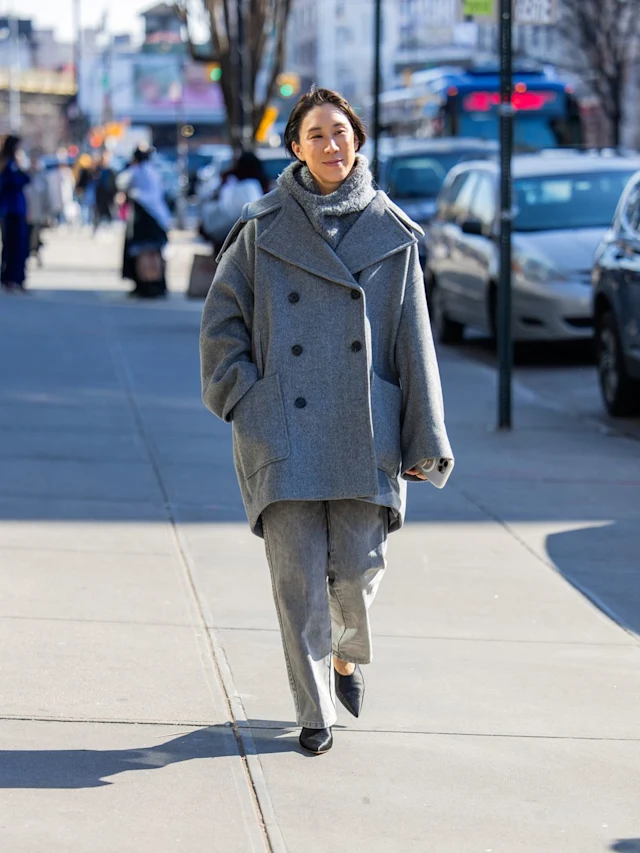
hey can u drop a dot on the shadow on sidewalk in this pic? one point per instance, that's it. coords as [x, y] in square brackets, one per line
[602, 563]
[627, 845]
[90, 768]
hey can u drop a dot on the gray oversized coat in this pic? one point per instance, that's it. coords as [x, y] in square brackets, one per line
[322, 360]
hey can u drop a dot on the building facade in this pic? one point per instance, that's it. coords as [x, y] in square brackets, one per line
[155, 84]
[331, 43]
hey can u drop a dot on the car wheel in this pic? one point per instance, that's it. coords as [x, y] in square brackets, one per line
[621, 393]
[446, 331]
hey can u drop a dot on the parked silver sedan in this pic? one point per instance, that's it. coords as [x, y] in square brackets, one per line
[563, 204]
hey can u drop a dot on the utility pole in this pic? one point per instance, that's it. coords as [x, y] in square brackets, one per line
[182, 147]
[106, 111]
[240, 68]
[14, 73]
[77, 42]
[504, 330]
[244, 133]
[77, 61]
[377, 38]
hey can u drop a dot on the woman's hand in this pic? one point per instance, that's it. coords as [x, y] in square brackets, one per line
[426, 464]
[415, 473]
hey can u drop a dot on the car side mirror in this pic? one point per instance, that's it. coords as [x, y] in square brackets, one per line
[472, 226]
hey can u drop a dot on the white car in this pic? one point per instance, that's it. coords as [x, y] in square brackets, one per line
[562, 207]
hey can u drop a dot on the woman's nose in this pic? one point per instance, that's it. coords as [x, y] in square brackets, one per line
[332, 145]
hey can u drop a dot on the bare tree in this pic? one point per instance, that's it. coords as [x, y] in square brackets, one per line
[264, 23]
[604, 37]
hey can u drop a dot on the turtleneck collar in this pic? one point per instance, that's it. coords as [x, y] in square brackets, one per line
[325, 212]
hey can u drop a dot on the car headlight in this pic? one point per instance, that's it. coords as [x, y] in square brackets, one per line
[537, 271]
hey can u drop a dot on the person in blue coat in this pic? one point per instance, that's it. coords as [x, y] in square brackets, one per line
[13, 216]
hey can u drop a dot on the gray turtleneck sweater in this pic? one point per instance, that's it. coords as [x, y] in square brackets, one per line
[331, 215]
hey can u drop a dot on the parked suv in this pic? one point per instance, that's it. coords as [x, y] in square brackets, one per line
[563, 204]
[616, 306]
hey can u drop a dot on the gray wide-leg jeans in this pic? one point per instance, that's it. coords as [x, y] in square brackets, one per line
[326, 559]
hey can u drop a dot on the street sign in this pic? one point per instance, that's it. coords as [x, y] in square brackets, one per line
[536, 13]
[482, 8]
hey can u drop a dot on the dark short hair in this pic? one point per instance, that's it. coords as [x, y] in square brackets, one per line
[10, 145]
[249, 166]
[316, 98]
[143, 153]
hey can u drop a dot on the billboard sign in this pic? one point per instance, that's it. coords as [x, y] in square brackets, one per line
[536, 13]
[170, 85]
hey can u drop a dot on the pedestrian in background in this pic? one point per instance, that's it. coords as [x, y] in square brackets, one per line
[86, 187]
[147, 226]
[62, 185]
[13, 216]
[244, 182]
[38, 206]
[105, 191]
[316, 345]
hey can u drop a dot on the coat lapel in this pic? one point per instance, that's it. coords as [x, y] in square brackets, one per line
[292, 238]
[375, 235]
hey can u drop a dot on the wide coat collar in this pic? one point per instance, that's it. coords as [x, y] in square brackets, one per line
[376, 234]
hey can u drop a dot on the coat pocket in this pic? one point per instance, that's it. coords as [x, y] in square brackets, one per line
[259, 426]
[386, 409]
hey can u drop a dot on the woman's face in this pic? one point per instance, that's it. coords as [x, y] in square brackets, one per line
[327, 145]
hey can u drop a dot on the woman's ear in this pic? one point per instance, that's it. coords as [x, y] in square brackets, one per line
[297, 151]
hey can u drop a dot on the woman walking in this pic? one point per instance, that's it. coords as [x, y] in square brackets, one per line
[147, 226]
[13, 217]
[316, 345]
[38, 207]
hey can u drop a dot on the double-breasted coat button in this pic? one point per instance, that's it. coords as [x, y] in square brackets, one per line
[355, 294]
[300, 403]
[356, 346]
[297, 349]
[294, 297]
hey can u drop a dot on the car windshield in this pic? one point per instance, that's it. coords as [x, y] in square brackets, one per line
[554, 202]
[421, 176]
[530, 133]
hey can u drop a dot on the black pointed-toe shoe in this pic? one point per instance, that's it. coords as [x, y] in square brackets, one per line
[316, 741]
[350, 690]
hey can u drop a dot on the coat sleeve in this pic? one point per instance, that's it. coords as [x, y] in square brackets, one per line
[226, 361]
[423, 435]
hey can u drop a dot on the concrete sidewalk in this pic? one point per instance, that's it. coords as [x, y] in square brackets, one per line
[144, 702]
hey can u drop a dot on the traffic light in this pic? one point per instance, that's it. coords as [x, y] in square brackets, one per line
[288, 84]
[214, 72]
[268, 120]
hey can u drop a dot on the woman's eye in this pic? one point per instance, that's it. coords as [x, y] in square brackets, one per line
[316, 137]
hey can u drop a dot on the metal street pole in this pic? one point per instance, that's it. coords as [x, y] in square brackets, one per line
[77, 62]
[77, 41]
[377, 38]
[240, 73]
[504, 330]
[14, 73]
[182, 148]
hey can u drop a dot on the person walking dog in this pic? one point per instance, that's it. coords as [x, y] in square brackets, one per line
[316, 346]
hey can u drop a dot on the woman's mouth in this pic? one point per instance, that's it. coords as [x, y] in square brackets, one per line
[334, 162]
